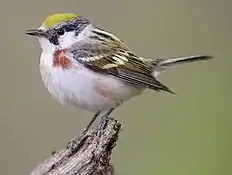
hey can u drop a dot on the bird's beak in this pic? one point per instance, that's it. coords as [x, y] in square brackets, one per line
[36, 32]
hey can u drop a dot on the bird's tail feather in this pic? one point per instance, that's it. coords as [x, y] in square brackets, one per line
[160, 65]
[166, 63]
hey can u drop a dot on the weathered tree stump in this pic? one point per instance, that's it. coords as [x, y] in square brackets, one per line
[87, 154]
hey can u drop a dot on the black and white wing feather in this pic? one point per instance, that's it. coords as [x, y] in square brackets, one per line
[116, 60]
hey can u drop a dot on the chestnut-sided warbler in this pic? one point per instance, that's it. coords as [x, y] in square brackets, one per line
[86, 66]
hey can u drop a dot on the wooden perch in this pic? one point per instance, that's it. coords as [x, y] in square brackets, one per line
[87, 154]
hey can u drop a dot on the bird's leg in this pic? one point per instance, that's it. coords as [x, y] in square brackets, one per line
[91, 121]
[104, 120]
[74, 144]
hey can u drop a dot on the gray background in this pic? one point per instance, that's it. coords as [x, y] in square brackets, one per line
[162, 134]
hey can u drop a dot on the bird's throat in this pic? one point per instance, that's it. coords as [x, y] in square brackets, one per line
[60, 59]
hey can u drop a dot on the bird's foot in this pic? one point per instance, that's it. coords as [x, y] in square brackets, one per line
[102, 125]
[103, 121]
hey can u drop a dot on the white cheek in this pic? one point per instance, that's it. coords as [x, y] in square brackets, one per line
[46, 46]
[67, 39]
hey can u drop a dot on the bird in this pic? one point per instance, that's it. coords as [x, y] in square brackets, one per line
[86, 66]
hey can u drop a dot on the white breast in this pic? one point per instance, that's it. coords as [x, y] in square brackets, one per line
[84, 88]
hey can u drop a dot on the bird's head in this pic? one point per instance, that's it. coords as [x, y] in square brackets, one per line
[59, 31]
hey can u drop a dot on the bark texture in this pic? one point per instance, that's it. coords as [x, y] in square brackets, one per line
[87, 154]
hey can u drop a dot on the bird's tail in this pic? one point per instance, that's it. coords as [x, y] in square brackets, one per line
[162, 64]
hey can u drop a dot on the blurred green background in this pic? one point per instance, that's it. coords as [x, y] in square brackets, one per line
[162, 134]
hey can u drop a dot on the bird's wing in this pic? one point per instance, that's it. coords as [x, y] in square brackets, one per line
[117, 61]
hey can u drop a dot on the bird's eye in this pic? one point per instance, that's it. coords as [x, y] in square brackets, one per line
[60, 31]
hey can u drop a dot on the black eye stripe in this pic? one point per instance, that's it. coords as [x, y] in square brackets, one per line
[54, 39]
[69, 28]
[53, 35]
[76, 25]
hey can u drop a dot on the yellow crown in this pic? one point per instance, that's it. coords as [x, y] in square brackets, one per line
[57, 18]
